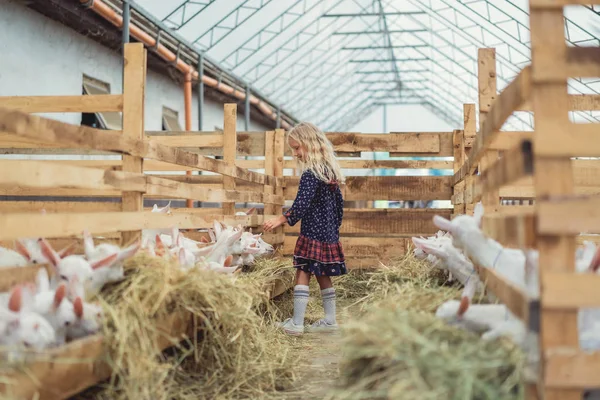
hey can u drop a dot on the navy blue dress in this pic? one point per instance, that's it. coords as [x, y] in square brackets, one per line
[320, 206]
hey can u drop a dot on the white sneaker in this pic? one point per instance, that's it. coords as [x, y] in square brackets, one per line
[322, 326]
[290, 328]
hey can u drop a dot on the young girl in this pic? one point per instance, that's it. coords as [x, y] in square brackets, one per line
[319, 204]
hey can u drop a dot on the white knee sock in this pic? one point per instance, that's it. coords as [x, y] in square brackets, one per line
[328, 296]
[301, 293]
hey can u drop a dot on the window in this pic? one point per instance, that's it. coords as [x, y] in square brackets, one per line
[170, 120]
[100, 120]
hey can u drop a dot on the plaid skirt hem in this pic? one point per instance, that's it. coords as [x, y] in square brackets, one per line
[325, 253]
[318, 268]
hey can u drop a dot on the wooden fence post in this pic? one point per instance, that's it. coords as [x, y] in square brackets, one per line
[469, 133]
[458, 141]
[486, 74]
[553, 177]
[134, 84]
[278, 151]
[269, 168]
[229, 151]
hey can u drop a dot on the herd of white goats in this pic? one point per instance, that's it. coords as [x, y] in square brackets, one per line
[50, 312]
[461, 243]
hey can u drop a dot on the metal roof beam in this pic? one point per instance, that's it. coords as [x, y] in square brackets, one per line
[390, 60]
[409, 46]
[380, 32]
[352, 15]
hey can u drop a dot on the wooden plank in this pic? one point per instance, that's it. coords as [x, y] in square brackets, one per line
[516, 229]
[391, 222]
[18, 225]
[517, 92]
[134, 96]
[577, 102]
[514, 165]
[390, 164]
[387, 188]
[553, 178]
[82, 137]
[269, 166]
[446, 149]
[459, 159]
[381, 248]
[577, 140]
[571, 368]
[569, 216]
[511, 296]
[559, 4]
[229, 150]
[569, 291]
[504, 140]
[9, 277]
[60, 104]
[58, 206]
[158, 166]
[469, 122]
[572, 62]
[393, 142]
[278, 155]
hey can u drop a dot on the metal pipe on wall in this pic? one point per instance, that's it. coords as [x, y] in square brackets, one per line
[100, 8]
[200, 93]
[247, 109]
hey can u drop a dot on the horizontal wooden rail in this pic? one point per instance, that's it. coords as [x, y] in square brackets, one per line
[23, 225]
[389, 222]
[568, 216]
[515, 229]
[252, 143]
[504, 140]
[575, 62]
[570, 291]
[515, 94]
[577, 102]
[387, 188]
[515, 299]
[32, 127]
[514, 165]
[60, 104]
[41, 174]
[157, 166]
[578, 140]
[569, 368]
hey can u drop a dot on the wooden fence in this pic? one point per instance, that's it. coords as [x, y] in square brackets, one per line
[122, 221]
[539, 166]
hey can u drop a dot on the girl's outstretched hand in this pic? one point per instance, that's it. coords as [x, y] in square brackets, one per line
[273, 223]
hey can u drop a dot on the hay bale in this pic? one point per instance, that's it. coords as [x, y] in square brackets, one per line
[396, 353]
[234, 354]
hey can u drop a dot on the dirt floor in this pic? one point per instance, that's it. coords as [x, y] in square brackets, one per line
[320, 356]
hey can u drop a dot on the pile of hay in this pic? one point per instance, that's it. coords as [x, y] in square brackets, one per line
[230, 350]
[392, 353]
[414, 284]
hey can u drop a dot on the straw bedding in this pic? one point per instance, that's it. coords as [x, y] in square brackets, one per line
[236, 353]
[395, 347]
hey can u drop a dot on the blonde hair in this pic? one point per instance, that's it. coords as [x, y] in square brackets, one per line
[319, 157]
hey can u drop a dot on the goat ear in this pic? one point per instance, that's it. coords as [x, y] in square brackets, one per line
[443, 223]
[15, 300]
[22, 250]
[49, 252]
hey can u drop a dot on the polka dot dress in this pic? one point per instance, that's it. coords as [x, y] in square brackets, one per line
[320, 206]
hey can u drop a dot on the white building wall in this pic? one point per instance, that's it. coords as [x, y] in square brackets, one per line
[43, 57]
